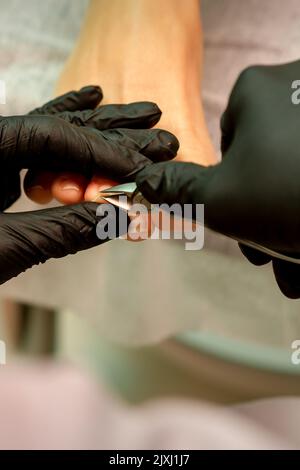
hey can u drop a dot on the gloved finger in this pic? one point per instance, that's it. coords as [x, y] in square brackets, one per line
[192, 184]
[156, 144]
[49, 143]
[254, 256]
[174, 182]
[70, 188]
[141, 115]
[287, 276]
[53, 233]
[87, 98]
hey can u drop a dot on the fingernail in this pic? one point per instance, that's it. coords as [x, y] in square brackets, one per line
[69, 187]
[39, 194]
[66, 184]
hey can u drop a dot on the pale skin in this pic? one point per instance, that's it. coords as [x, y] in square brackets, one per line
[137, 50]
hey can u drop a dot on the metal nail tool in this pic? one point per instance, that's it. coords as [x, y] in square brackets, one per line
[131, 195]
[123, 196]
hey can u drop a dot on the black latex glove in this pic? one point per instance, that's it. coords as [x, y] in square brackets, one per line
[69, 134]
[254, 193]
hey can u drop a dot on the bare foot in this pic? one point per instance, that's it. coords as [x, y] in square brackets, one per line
[153, 54]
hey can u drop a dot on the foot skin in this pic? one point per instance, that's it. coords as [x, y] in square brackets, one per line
[146, 65]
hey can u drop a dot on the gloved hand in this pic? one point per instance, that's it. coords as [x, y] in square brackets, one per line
[254, 193]
[69, 134]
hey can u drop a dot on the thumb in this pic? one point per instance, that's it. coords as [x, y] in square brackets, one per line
[175, 182]
[30, 238]
[186, 183]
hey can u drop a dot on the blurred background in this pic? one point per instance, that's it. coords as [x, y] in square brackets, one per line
[218, 329]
